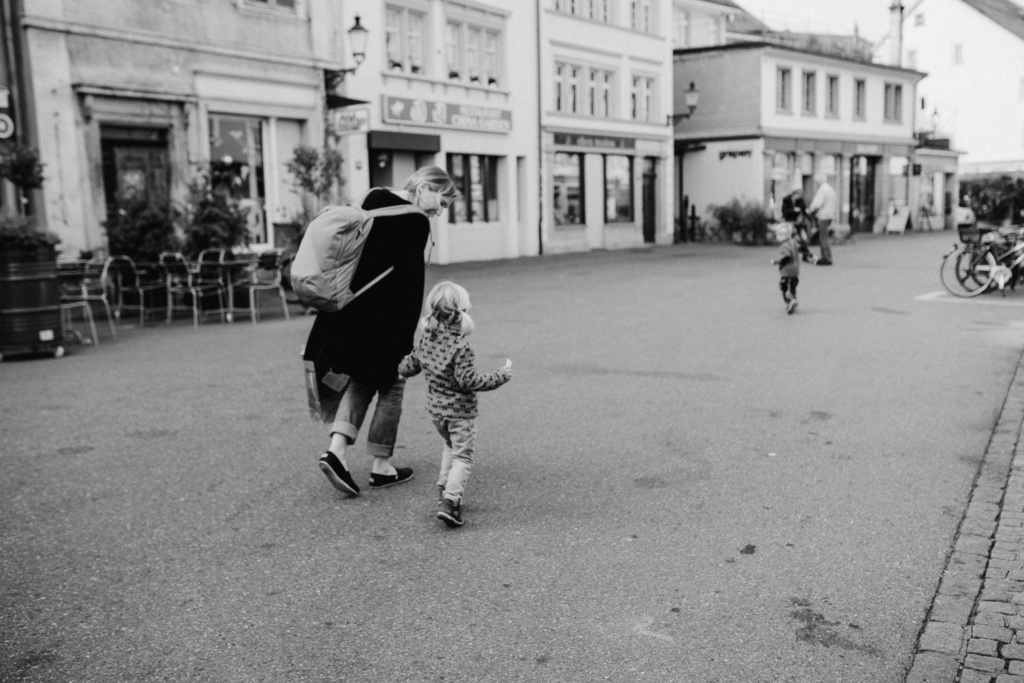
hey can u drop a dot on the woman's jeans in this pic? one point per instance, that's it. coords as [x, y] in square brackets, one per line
[351, 411]
[457, 457]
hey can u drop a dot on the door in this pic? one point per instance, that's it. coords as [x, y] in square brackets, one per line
[650, 205]
[135, 166]
[862, 193]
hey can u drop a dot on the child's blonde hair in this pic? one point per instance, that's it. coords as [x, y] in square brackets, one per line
[448, 302]
[783, 232]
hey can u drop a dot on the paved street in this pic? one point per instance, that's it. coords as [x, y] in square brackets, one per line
[681, 483]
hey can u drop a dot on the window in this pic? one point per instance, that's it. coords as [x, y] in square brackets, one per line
[832, 97]
[618, 188]
[278, 4]
[958, 54]
[784, 89]
[893, 102]
[919, 19]
[568, 188]
[640, 15]
[403, 40]
[642, 93]
[582, 90]
[236, 163]
[476, 178]
[859, 98]
[810, 102]
[473, 45]
[596, 10]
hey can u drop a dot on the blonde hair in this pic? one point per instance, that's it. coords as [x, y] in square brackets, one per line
[783, 232]
[448, 303]
[435, 178]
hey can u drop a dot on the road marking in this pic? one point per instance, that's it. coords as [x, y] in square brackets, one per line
[983, 299]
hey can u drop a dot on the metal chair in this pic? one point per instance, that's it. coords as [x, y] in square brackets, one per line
[86, 283]
[127, 285]
[265, 276]
[182, 280]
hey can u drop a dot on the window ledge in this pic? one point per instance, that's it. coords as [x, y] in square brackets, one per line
[444, 84]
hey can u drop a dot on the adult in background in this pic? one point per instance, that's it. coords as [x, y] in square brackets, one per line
[356, 351]
[794, 211]
[824, 207]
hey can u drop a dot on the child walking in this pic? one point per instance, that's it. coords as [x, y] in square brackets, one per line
[788, 262]
[452, 382]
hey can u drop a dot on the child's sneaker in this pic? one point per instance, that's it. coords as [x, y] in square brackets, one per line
[791, 306]
[450, 512]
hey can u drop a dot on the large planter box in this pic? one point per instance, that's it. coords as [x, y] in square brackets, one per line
[30, 320]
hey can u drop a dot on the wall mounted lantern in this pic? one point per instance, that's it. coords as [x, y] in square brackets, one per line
[357, 36]
[691, 97]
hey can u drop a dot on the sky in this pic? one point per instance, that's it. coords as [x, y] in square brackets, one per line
[824, 16]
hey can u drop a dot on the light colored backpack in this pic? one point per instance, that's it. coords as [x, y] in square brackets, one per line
[328, 255]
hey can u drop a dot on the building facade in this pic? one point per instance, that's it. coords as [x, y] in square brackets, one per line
[451, 83]
[788, 115]
[973, 95]
[605, 146]
[131, 101]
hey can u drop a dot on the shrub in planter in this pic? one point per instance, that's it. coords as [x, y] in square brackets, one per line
[742, 222]
[19, 235]
[214, 217]
[141, 230]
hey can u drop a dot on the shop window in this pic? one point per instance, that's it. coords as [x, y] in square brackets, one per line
[568, 188]
[810, 101]
[473, 45]
[403, 38]
[618, 188]
[236, 164]
[832, 97]
[859, 99]
[476, 179]
[784, 90]
[893, 102]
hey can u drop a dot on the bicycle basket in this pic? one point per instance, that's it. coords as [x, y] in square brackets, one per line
[972, 234]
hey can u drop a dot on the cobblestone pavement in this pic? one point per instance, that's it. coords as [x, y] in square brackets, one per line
[974, 632]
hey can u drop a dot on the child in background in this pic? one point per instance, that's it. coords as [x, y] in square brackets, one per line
[452, 382]
[788, 262]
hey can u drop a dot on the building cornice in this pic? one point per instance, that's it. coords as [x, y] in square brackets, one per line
[150, 39]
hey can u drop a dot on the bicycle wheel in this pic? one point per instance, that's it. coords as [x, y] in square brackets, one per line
[967, 270]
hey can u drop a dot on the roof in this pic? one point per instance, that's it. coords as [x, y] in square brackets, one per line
[1007, 14]
[769, 45]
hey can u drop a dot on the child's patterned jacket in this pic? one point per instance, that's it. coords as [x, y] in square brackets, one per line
[452, 380]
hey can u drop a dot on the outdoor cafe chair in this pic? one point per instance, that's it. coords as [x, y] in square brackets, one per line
[182, 280]
[128, 287]
[265, 276]
[85, 283]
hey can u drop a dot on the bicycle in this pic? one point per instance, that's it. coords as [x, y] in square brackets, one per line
[988, 258]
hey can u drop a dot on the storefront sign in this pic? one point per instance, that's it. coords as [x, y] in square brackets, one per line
[594, 141]
[869, 150]
[441, 114]
[734, 154]
[349, 121]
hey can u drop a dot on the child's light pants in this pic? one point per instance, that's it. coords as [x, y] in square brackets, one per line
[457, 457]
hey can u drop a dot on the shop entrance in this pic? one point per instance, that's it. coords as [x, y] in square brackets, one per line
[862, 193]
[649, 202]
[135, 166]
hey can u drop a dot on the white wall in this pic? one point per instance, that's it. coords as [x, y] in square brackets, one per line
[723, 171]
[981, 101]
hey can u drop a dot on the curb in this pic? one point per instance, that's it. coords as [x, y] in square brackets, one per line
[974, 630]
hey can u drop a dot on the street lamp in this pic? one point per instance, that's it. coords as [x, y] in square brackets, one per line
[357, 36]
[690, 97]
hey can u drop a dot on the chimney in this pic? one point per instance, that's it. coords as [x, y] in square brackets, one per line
[896, 33]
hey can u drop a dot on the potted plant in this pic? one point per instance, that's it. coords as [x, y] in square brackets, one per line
[742, 222]
[141, 230]
[214, 218]
[20, 164]
[29, 289]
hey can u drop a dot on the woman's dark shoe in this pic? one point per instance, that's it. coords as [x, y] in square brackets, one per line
[337, 474]
[382, 481]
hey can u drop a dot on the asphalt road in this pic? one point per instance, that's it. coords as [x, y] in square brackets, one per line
[681, 483]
